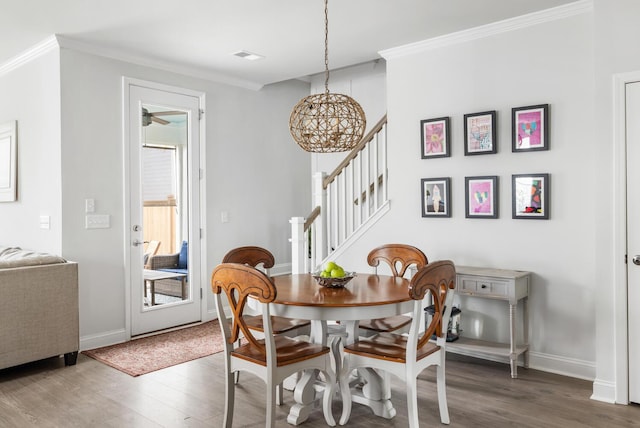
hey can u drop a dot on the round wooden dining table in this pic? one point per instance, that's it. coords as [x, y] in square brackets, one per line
[365, 296]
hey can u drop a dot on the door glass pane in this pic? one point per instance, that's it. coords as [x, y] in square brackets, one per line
[165, 207]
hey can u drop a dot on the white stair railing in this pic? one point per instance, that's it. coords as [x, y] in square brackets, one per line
[344, 202]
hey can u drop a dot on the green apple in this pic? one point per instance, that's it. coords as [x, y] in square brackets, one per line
[325, 274]
[330, 266]
[337, 272]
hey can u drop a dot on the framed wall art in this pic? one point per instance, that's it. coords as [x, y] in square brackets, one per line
[530, 128]
[480, 133]
[481, 197]
[8, 161]
[436, 197]
[435, 138]
[530, 196]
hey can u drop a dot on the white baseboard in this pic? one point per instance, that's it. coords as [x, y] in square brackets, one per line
[604, 391]
[103, 339]
[571, 367]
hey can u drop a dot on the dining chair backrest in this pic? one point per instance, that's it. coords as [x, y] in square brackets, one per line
[399, 257]
[256, 257]
[438, 278]
[250, 255]
[238, 282]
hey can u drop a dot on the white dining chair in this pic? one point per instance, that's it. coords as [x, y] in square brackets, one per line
[261, 257]
[272, 358]
[407, 356]
[399, 258]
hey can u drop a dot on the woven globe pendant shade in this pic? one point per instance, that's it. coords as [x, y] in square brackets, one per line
[326, 123]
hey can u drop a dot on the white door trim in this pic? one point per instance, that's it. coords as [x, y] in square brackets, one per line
[126, 83]
[620, 237]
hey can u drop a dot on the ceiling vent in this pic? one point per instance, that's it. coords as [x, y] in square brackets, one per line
[248, 55]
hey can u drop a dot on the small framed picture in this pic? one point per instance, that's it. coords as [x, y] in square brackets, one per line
[434, 138]
[480, 133]
[481, 197]
[436, 197]
[8, 161]
[530, 128]
[530, 196]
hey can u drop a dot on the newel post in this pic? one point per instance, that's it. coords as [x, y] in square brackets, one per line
[320, 200]
[298, 258]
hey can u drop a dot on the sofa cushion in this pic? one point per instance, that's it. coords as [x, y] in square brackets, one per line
[183, 256]
[12, 257]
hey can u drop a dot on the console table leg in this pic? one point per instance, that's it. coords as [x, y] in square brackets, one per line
[513, 356]
[525, 332]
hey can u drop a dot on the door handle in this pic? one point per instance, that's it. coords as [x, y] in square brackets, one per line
[636, 260]
[137, 242]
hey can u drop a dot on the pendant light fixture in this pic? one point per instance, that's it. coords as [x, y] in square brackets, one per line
[327, 123]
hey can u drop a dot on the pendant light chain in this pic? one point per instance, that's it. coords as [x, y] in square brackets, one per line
[326, 122]
[326, 47]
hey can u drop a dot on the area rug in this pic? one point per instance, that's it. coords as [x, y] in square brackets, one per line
[148, 354]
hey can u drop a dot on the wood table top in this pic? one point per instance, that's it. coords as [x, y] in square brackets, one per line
[363, 290]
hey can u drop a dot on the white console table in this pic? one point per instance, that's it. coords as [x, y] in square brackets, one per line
[508, 285]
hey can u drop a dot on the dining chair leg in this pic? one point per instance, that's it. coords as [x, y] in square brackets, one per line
[229, 399]
[442, 393]
[271, 405]
[280, 394]
[412, 401]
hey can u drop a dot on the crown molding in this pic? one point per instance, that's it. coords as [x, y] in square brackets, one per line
[504, 26]
[93, 49]
[29, 55]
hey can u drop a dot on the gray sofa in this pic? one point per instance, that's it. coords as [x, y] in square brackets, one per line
[38, 307]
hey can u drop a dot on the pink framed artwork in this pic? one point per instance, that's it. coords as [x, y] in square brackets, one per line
[481, 197]
[530, 128]
[434, 138]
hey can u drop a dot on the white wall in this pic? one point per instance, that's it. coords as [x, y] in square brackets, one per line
[253, 170]
[547, 63]
[30, 95]
[617, 52]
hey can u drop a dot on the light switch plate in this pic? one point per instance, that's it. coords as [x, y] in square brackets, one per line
[97, 221]
[45, 222]
[89, 205]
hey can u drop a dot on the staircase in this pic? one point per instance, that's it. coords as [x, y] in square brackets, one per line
[347, 202]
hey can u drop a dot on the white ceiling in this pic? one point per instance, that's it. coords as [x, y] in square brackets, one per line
[201, 35]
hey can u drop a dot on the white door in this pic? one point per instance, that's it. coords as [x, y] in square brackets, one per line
[633, 235]
[163, 186]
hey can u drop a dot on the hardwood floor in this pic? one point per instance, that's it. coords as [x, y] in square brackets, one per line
[480, 394]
